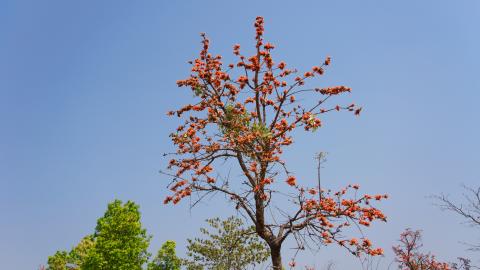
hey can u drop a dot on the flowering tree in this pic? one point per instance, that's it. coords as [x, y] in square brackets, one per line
[244, 116]
[409, 256]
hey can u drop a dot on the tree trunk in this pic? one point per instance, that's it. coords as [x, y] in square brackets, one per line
[276, 257]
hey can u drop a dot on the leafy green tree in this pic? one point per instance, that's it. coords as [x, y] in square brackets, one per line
[119, 243]
[120, 240]
[228, 246]
[166, 258]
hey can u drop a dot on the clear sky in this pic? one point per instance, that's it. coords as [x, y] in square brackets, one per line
[84, 87]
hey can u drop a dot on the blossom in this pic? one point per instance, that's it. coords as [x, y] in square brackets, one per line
[328, 60]
[268, 46]
[236, 49]
[291, 180]
[335, 90]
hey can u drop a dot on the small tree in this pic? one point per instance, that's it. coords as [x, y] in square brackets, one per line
[244, 116]
[120, 240]
[409, 256]
[166, 258]
[119, 243]
[226, 246]
[463, 264]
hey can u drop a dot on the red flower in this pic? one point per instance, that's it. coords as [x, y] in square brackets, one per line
[328, 60]
[291, 180]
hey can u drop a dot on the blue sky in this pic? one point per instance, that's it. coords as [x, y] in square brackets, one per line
[84, 87]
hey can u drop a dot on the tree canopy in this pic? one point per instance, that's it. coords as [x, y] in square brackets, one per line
[227, 245]
[118, 243]
[245, 114]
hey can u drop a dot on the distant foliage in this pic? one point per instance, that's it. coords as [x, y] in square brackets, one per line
[166, 258]
[227, 245]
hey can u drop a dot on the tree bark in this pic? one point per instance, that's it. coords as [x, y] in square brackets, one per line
[276, 257]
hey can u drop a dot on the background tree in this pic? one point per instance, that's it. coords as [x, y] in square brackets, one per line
[120, 240]
[74, 259]
[469, 209]
[226, 246]
[166, 258]
[463, 264]
[244, 116]
[119, 243]
[409, 256]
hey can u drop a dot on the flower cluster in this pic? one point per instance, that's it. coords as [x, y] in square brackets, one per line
[325, 212]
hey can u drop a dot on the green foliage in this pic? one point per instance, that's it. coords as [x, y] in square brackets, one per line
[78, 254]
[311, 122]
[119, 243]
[198, 91]
[228, 246]
[262, 129]
[74, 259]
[234, 121]
[58, 261]
[166, 258]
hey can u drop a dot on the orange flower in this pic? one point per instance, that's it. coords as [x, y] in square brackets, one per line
[308, 74]
[210, 180]
[375, 252]
[357, 111]
[291, 180]
[167, 199]
[266, 181]
[335, 90]
[353, 241]
[268, 46]
[236, 49]
[328, 60]
[366, 243]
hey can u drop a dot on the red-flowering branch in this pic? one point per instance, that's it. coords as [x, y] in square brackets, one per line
[409, 256]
